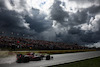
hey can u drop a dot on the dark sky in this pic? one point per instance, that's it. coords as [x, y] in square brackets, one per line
[69, 21]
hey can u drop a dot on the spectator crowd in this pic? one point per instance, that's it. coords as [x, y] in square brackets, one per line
[30, 44]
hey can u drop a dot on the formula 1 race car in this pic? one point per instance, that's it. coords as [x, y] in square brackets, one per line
[32, 57]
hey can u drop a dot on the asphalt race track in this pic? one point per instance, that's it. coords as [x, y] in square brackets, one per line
[58, 59]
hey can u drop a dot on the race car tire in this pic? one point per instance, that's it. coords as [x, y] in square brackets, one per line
[26, 59]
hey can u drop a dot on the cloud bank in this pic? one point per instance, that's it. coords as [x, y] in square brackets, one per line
[69, 21]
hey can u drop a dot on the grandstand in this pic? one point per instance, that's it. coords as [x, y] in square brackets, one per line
[18, 43]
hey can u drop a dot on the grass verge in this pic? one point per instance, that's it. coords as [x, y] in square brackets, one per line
[9, 53]
[4, 54]
[53, 51]
[93, 62]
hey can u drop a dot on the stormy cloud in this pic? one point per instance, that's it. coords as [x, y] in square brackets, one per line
[69, 21]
